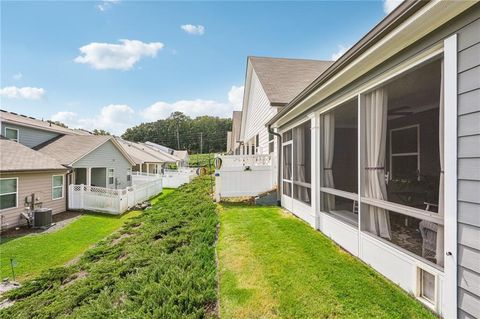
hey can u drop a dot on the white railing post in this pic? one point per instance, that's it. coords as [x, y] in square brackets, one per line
[82, 189]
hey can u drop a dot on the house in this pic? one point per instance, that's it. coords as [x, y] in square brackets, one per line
[96, 160]
[381, 152]
[24, 172]
[270, 83]
[180, 158]
[146, 160]
[30, 131]
[233, 137]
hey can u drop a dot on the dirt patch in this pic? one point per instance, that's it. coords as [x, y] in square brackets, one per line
[58, 221]
[74, 278]
[7, 286]
[119, 239]
[6, 303]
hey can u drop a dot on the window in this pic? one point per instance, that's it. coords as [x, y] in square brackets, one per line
[111, 175]
[405, 153]
[129, 174]
[426, 286]
[11, 134]
[271, 143]
[8, 193]
[57, 186]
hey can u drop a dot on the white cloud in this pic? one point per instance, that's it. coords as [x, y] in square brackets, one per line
[115, 118]
[17, 76]
[235, 96]
[193, 29]
[194, 108]
[390, 5]
[341, 51]
[26, 92]
[103, 56]
[107, 4]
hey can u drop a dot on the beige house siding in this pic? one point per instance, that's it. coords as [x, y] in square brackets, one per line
[38, 183]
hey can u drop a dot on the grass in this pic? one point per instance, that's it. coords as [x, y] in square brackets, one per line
[38, 252]
[204, 160]
[272, 265]
[160, 264]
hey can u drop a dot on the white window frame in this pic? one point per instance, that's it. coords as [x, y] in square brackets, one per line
[13, 129]
[63, 188]
[112, 170]
[129, 174]
[417, 153]
[16, 193]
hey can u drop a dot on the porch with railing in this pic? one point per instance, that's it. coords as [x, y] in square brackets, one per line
[112, 201]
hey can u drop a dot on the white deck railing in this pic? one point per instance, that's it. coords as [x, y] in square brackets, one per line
[112, 201]
[244, 175]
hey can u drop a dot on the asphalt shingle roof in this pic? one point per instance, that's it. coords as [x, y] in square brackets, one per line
[17, 157]
[283, 79]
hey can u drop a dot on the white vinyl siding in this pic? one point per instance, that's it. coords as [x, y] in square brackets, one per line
[258, 113]
[29, 136]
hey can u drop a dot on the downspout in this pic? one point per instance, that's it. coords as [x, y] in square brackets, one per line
[279, 156]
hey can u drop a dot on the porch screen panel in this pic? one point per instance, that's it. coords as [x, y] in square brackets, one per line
[302, 163]
[328, 151]
[287, 170]
[441, 199]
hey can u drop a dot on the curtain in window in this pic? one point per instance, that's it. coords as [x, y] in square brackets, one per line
[375, 142]
[299, 140]
[328, 149]
[287, 162]
[441, 199]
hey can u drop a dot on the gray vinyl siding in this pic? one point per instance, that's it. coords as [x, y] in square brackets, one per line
[108, 155]
[28, 136]
[469, 171]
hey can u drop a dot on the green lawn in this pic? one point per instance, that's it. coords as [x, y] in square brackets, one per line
[272, 265]
[38, 252]
[160, 264]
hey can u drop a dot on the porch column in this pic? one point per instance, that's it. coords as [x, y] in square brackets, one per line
[148, 168]
[89, 176]
[140, 165]
[315, 163]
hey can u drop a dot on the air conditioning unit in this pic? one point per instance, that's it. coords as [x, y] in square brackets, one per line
[42, 217]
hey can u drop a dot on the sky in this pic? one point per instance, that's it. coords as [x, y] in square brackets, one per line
[115, 64]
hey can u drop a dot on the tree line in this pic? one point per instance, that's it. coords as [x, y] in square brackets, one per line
[198, 135]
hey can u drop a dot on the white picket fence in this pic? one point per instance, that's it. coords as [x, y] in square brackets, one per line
[244, 175]
[112, 201]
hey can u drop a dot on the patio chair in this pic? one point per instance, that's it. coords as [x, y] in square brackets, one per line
[428, 230]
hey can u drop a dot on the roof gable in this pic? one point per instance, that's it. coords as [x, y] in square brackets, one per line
[283, 79]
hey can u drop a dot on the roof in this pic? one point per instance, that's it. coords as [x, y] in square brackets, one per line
[17, 157]
[405, 10]
[159, 153]
[68, 149]
[283, 79]
[135, 150]
[182, 155]
[23, 120]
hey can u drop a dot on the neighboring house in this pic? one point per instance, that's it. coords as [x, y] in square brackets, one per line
[30, 131]
[270, 84]
[24, 172]
[146, 160]
[183, 157]
[168, 152]
[382, 152]
[233, 137]
[96, 160]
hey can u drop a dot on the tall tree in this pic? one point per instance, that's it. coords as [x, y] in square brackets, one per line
[179, 131]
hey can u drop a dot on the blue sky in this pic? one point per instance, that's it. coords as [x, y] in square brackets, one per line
[114, 64]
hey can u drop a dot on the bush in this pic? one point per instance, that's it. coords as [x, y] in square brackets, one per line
[160, 265]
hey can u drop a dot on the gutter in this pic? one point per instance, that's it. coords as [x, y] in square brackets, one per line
[279, 152]
[404, 11]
